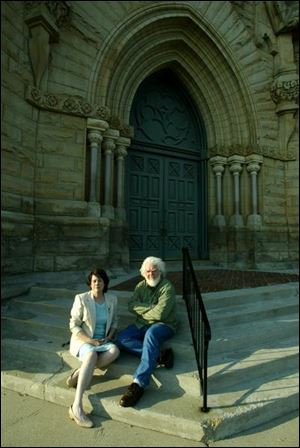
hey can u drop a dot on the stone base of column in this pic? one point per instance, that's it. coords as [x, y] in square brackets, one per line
[219, 221]
[236, 221]
[254, 222]
[94, 209]
[108, 211]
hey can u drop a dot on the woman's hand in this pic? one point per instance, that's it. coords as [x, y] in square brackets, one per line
[98, 342]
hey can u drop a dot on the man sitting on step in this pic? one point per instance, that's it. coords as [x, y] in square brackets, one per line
[154, 307]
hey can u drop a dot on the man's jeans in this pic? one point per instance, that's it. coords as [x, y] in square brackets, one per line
[144, 342]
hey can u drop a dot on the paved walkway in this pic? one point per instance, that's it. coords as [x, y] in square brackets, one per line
[29, 422]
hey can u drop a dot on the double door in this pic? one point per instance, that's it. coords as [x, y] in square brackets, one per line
[162, 205]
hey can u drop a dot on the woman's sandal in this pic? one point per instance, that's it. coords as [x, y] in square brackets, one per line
[84, 423]
[71, 381]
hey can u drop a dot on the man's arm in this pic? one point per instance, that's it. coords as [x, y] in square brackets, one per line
[164, 306]
[137, 305]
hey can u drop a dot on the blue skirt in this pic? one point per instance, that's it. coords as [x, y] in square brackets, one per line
[86, 348]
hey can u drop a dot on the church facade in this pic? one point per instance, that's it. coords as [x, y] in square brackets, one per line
[137, 128]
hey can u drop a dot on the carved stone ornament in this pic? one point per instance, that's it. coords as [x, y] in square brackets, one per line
[283, 15]
[127, 131]
[66, 104]
[285, 90]
[263, 150]
[59, 10]
[116, 122]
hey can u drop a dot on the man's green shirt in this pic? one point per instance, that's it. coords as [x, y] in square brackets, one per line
[154, 304]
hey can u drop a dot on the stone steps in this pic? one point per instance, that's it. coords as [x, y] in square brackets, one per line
[252, 362]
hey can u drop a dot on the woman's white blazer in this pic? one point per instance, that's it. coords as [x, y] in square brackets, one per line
[83, 317]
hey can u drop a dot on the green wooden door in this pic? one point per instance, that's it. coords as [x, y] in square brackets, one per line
[163, 206]
[166, 173]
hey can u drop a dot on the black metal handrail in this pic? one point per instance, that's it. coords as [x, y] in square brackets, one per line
[200, 328]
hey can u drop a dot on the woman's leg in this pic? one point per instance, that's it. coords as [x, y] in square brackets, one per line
[106, 358]
[73, 378]
[84, 379]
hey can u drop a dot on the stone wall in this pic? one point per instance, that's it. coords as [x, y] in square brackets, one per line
[65, 64]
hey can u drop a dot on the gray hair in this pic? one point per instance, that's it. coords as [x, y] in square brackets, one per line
[157, 262]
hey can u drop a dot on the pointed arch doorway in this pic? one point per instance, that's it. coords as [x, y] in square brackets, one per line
[166, 173]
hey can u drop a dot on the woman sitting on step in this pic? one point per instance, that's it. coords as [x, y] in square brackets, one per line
[93, 324]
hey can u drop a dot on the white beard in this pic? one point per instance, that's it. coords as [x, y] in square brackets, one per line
[153, 282]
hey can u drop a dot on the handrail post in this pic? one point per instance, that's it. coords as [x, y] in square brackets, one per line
[199, 325]
[204, 407]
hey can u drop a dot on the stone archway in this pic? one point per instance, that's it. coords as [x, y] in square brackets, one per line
[179, 38]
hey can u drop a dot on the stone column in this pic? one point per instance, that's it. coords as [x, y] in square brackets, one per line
[284, 18]
[236, 162]
[95, 129]
[254, 220]
[109, 138]
[218, 163]
[122, 144]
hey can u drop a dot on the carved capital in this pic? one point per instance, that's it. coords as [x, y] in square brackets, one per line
[99, 125]
[236, 163]
[253, 163]
[112, 134]
[217, 163]
[124, 129]
[254, 158]
[121, 152]
[123, 141]
[94, 137]
[127, 131]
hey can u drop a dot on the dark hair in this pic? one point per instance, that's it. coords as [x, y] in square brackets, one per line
[99, 273]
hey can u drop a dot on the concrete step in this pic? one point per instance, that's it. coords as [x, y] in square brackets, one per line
[236, 297]
[173, 413]
[252, 364]
[244, 367]
[248, 311]
[43, 310]
[187, 378]
[247, 334]
[211, 300]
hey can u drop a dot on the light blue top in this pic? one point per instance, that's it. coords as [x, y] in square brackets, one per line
[101, 319]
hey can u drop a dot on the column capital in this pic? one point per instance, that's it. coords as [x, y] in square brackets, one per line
[94, 136]
[236, 163]
[236, 159]
[218, 164]
[253, 163]
[123, 141]
[257, 158]
[109, 140]
[94, 123]
[113, 134]
[218, 160]
[121, 152]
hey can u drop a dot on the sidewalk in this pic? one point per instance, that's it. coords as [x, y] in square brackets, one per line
[29, 422]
